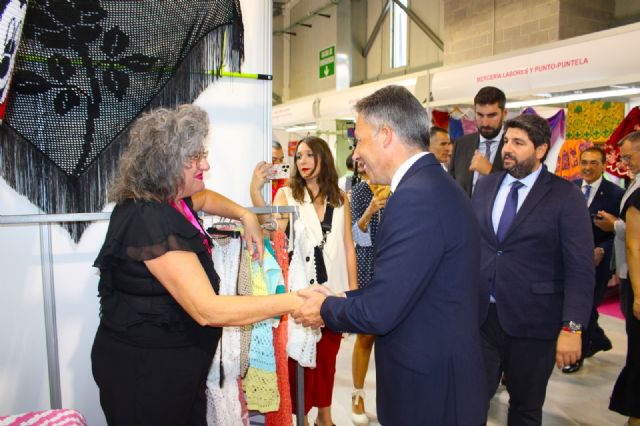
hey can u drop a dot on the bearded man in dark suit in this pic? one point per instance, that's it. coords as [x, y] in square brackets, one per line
[478, 154]
[536, 257]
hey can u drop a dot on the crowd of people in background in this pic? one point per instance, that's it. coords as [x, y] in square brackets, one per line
[545, 245]
[464, 264]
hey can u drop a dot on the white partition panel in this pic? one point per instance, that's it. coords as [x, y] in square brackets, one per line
[24, 383]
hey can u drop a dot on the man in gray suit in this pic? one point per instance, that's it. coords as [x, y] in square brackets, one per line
[478, 154]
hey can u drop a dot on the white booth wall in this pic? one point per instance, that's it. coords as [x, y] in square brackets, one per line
[240, 136]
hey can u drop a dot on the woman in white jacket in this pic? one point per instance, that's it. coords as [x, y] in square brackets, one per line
[325, 224]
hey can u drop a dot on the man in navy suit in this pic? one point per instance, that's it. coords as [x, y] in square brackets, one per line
[599, 194]
[536, 257]
[423, 302]
[478, 154]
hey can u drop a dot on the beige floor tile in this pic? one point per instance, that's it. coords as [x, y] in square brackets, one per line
[580, 399]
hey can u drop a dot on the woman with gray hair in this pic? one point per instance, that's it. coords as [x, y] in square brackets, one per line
[160, 316]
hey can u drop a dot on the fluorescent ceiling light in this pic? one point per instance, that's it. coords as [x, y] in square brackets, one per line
[301, 128]
[574, 97]
[543, 95]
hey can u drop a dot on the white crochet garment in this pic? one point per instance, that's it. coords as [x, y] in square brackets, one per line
[223, 404]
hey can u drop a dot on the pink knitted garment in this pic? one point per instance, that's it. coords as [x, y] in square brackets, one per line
[50, 418]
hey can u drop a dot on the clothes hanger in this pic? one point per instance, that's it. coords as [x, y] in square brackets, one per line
[457, 113]
[228, 228]
[468, 113]
[270, 224]
[224, 228]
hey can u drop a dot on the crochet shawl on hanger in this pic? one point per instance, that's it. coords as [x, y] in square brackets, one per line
[85, 70]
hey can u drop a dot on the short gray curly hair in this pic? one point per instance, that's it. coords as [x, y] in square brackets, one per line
[162, 143]
[396, 107]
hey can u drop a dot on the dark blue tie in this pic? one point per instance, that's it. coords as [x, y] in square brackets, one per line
[587, 192]
[487, 155]
[509, 211]
[487, 149]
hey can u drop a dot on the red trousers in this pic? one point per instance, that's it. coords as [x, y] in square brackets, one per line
[318, 382]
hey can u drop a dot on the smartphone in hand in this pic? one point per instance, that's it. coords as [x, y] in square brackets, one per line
[279, 171]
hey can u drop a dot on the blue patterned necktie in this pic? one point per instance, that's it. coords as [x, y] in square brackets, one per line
[509, 211]
[587, 192]
[487, 149]
[487, 155]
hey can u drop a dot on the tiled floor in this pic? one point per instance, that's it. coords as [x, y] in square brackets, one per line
[580, 399]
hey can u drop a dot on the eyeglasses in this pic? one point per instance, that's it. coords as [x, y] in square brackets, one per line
[625, 158]
[199, 156]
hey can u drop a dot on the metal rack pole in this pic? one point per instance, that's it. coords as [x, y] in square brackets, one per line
[48, 285]
[51, 331]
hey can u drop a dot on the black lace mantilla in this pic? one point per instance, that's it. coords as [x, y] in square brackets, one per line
[85, 69]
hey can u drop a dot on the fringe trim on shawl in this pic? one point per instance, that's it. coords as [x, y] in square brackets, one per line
[28, 171]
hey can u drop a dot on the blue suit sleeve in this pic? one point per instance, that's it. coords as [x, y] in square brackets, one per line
[577, 258]
[402, 269]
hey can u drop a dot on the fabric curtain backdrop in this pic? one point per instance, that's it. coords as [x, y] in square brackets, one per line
[468, 125]
[630, 123]
[85, 70]
[588, 123]
[557, 122]
[440, 118]
[11, 22]
[455, 128]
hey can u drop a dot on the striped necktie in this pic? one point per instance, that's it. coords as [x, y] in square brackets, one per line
[487, 149]
[587, 193]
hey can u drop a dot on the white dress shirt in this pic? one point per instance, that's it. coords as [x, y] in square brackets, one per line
[404, 167]
[482, 148]
[503, 192]
[594, 188]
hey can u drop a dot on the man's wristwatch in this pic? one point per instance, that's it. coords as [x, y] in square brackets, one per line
[572, 327]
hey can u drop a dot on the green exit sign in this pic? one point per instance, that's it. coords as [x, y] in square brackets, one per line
[327, 62]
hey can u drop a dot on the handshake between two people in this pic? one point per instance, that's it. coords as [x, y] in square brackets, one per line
[308, 313]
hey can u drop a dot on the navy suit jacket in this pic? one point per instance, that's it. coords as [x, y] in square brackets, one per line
[422, 305]
[543, 268]
[608, 199]
[463, 150]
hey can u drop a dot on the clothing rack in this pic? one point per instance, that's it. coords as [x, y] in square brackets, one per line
[45, 222]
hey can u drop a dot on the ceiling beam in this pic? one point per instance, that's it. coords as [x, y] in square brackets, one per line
[376, 28]
[420, 23]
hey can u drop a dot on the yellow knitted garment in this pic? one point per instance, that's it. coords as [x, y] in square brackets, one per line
[261, 382]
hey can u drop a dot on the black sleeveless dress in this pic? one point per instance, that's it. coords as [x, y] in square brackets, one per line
[150, 359]
[625, 398]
